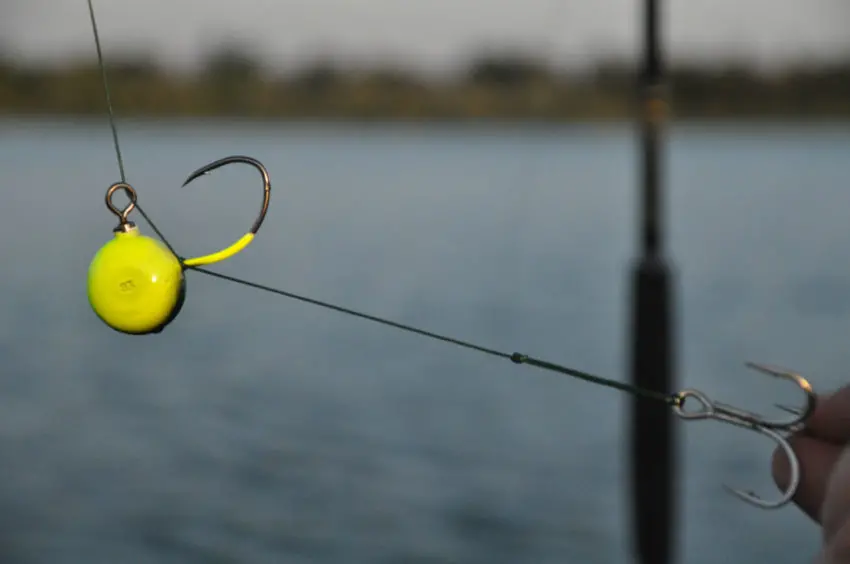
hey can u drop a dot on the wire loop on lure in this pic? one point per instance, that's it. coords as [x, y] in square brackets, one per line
[246, 239]
[125, 212]
[710, 409]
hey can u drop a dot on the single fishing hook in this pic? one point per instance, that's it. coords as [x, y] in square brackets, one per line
[136, 285]
[248, 237]
[777, 430]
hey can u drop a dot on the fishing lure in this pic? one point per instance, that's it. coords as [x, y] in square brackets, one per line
[136, 284]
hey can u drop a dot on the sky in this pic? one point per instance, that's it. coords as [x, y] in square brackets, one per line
[433, 35]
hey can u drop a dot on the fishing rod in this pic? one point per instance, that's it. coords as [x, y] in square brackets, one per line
[653, 440]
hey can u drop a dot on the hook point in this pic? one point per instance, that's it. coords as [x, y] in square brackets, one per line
[194, 176]
[789, 409]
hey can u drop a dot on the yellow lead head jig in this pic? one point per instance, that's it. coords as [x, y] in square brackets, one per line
[136, 285]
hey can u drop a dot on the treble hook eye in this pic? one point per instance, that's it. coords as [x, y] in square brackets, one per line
[704, 410]
[248, 237]
[121, 213]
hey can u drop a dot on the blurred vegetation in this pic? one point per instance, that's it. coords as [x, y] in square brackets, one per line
[233, 84]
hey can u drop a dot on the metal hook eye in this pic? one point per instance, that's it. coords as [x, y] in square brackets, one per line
[705, 409]
[131, 193]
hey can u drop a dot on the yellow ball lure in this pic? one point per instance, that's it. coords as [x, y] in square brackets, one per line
[136, 284]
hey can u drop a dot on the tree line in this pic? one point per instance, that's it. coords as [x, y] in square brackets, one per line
[504, 86]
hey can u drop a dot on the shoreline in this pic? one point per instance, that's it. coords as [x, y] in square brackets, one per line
[493, 90]
[840, 121]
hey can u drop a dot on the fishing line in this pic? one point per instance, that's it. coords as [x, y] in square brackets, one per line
[106, 91]
[113, 127]
[517, 358]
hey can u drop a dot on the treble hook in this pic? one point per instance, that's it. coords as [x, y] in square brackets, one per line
[248, 237]
[777, 430]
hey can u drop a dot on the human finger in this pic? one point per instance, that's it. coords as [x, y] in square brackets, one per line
[830, 420]
[817, 460]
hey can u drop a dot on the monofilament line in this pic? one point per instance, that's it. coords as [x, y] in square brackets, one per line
[106, 91]
[517, 358]
[112, 125]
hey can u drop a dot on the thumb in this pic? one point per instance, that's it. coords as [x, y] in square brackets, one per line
[835, 513]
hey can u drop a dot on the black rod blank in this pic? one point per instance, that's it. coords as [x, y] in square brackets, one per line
[653, 440]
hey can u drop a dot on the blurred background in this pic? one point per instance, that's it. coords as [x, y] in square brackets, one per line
[470, 167]
[545, 60]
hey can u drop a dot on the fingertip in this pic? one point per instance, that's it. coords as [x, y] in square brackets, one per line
[830, 420]
[835, 513]
[837, 547]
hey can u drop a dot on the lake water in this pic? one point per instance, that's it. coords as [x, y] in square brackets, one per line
[260, 429]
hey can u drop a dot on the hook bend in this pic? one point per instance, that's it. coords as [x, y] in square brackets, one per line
[793, 483]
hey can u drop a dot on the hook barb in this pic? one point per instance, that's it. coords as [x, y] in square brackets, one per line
[248, 237]
[801, 414]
